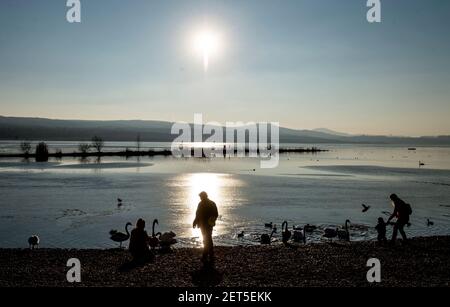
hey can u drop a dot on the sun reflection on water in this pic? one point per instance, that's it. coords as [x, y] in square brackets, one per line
[223, 189]
[212, 184]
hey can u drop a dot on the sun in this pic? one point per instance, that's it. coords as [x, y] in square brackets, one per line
[207, 44]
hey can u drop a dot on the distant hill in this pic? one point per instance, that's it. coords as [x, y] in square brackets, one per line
[332, 132]
[21, 128]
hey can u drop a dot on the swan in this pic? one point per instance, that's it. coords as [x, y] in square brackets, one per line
[309, 228]
[240, 235]
[299, 235]
[268, 225]
[421, 163]
[33, 241]
[285, 234]
[153, 241]
[429, 223]
[266, 239]
[330, 233]
[298, 228]
[344, 234]
[120, 237]
[167, 239]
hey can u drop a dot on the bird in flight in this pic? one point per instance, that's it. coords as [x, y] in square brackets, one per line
[365, 208]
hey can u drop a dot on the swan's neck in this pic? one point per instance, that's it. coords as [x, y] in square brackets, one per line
[126, 229]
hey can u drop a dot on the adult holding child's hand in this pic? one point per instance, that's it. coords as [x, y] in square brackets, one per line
[402, 211]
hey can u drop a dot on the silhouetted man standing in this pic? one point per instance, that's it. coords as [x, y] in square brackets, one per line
[205, 219]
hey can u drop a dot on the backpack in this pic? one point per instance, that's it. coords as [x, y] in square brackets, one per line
[408, 209]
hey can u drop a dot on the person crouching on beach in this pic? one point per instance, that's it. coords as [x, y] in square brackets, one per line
[205, 219]
[381, 229]
[138, 247]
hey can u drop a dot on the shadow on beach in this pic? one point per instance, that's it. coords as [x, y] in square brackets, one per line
[207, 276]
[132, 264]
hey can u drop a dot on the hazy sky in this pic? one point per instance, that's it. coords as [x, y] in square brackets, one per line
[306, 64]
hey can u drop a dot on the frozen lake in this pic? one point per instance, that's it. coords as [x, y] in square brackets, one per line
[72, 203]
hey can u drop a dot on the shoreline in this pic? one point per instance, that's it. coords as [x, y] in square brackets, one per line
[150, 153]
[423, 262]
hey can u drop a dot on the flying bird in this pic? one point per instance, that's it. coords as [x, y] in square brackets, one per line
[365, 208]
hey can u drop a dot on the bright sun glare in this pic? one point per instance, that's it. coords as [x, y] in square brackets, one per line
[212, 184]
[207, 44]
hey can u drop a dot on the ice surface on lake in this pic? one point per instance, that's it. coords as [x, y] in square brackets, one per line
[73, 203]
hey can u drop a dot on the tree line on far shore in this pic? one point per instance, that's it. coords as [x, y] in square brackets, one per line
[42, 151]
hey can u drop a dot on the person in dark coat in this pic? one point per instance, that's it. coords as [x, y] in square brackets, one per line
[402, 212]
[138, 247]
[205, 219]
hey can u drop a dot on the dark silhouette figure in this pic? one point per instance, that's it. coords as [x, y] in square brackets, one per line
[402, 211]
[381, 229]
[120, 237]
[154, 240]
[310, 228]
[285, 234]
[365, 208]
[205, 219]
[42, 152]
[33, 241]
[344, 234]
[266, 239]
[139, 243]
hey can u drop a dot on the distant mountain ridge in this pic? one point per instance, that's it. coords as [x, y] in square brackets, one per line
[24, 128]
[332, 132]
